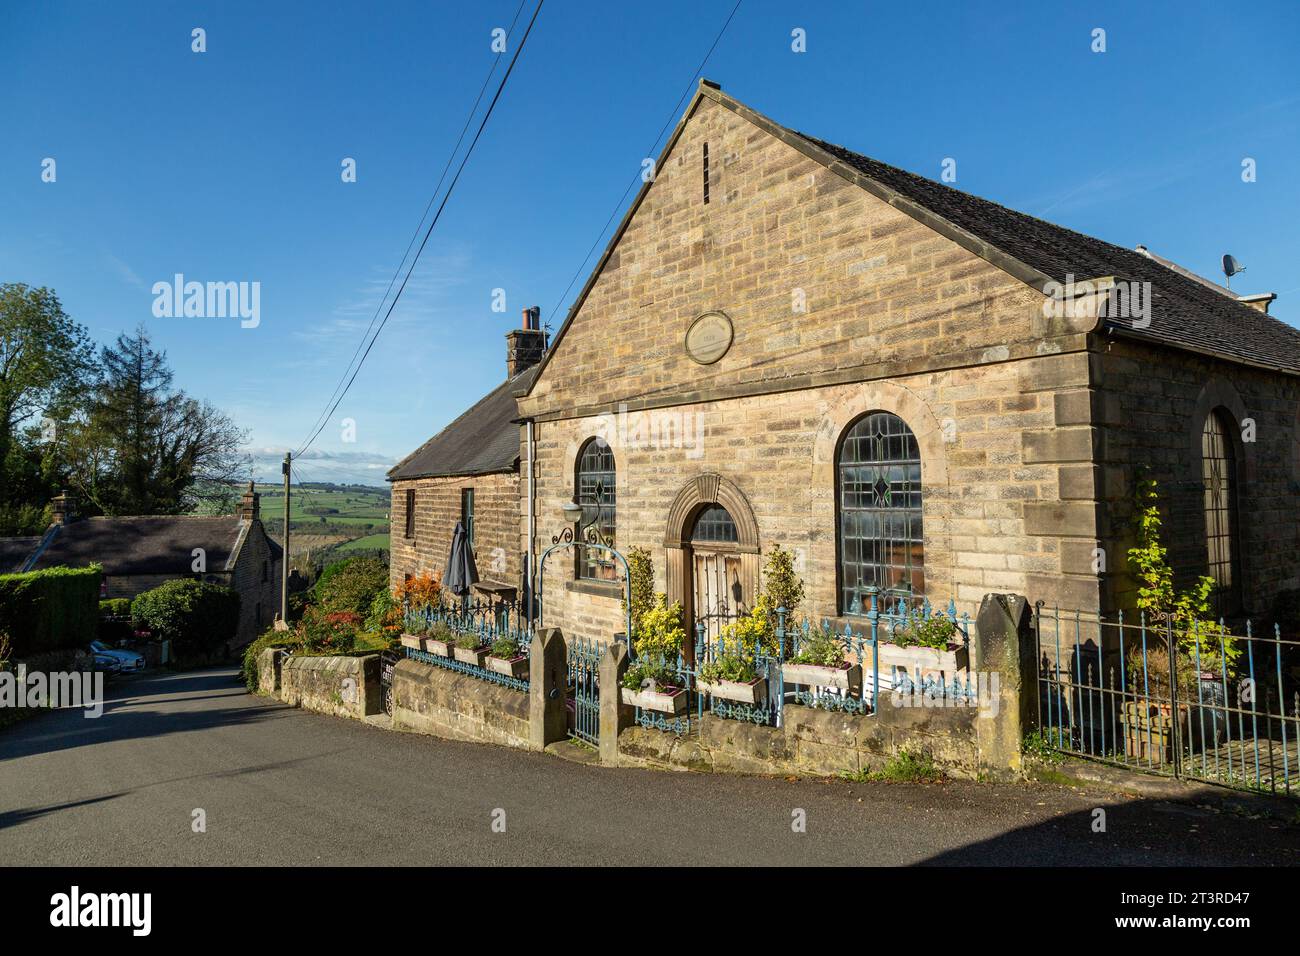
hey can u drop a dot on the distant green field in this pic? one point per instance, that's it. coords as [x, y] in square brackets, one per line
[369, 541]
[352, 507]
[314, 510]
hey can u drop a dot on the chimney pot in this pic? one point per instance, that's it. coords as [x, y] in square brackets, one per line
[249, 504]
[525, 346]
[63, 508]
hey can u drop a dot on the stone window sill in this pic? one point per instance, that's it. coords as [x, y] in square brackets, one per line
[610, 589]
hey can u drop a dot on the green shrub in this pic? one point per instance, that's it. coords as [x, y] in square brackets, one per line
[507, 648]
[649, 669]
[937, 632]
[115, 607]
[660, 633]
[271, 638]
[50, 609]
[115, 620]
[822, 648]
[641, 578]
[351, 586]
[910, 766]
[782, 587]
[469, 640]
[195, 616]
[328, 632]
[733, 664]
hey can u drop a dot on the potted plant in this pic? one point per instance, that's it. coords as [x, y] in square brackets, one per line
[507, 657]
[924, 644]
[1202, 697]
[733, 675]
[470, 649]
[412, 635]
[820, 663]
[652, 685]
[439, 640]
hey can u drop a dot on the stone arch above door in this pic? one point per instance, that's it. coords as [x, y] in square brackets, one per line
[697, 494]
[705, 490]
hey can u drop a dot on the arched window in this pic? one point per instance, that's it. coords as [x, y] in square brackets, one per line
[594, 485]
[713, 525]
[1219, 476]
[878, 472]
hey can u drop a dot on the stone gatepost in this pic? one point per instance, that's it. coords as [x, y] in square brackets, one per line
[548, 676]
[1006, 671]
[613, 715]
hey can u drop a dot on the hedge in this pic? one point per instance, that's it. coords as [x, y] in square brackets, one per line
[50, 609]
[194, 615]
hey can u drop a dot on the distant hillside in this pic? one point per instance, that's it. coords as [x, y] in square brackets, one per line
[326, 515]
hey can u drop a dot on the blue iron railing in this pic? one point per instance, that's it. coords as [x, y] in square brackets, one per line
[1201, 701]
[843, 676]
[487, 622]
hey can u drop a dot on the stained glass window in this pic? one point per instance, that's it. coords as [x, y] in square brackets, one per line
[1219, 475]
[879, 492]
[594, 490]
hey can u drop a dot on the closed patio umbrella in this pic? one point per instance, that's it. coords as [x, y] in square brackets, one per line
[461, 571]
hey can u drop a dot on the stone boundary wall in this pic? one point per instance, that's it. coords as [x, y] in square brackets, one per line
[967, 741]
[981, 740]
[434, 700]
[339, 686]
[816, 742]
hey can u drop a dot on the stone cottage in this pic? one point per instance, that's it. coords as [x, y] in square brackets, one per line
[469, 472]
[913, 388]
[139, 553]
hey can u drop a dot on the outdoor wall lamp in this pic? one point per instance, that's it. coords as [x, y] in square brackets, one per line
[572, 511]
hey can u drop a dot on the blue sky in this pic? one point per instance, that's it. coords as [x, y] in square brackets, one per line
[225, 165]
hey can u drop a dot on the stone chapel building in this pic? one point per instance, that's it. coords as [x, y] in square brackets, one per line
[913, 388]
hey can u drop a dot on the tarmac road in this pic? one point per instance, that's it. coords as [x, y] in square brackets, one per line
[280, 786]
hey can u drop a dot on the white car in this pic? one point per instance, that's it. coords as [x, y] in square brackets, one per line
[128, 662]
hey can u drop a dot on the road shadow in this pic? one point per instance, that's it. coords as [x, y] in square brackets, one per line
[150, 705]
[1136, 832]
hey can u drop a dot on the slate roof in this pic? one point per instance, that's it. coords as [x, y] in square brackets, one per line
[1187, 312]
[483, 440]
[14, 552]
[154, 544]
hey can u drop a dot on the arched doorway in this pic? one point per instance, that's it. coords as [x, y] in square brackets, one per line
[717, 594]
[712, 548]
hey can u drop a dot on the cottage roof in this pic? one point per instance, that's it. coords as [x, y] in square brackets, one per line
[14, 553]
[153, 544]
[483, 440]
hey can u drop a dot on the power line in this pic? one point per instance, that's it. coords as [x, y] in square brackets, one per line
[437, 215]
[416, 234]
[650, 152]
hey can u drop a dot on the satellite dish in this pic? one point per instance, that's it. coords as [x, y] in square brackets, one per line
[1231, 267]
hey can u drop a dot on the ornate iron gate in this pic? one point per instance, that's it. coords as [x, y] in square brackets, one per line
[584, 689]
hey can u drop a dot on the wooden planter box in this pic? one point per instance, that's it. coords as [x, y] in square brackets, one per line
[438, 648]
[412, 641]
[750, 692]
[510, 667]
[819, 675]
[927, 660]
[1149, 731]
[472, 655]
[668, 701]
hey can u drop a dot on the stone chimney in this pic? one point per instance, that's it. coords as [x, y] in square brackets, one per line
[525, 346]
[63, 508]
[249, 504]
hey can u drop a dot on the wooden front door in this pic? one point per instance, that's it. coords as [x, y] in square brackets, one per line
[718, 597]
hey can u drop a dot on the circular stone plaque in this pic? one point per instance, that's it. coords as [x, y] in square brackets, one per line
[708, 338]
